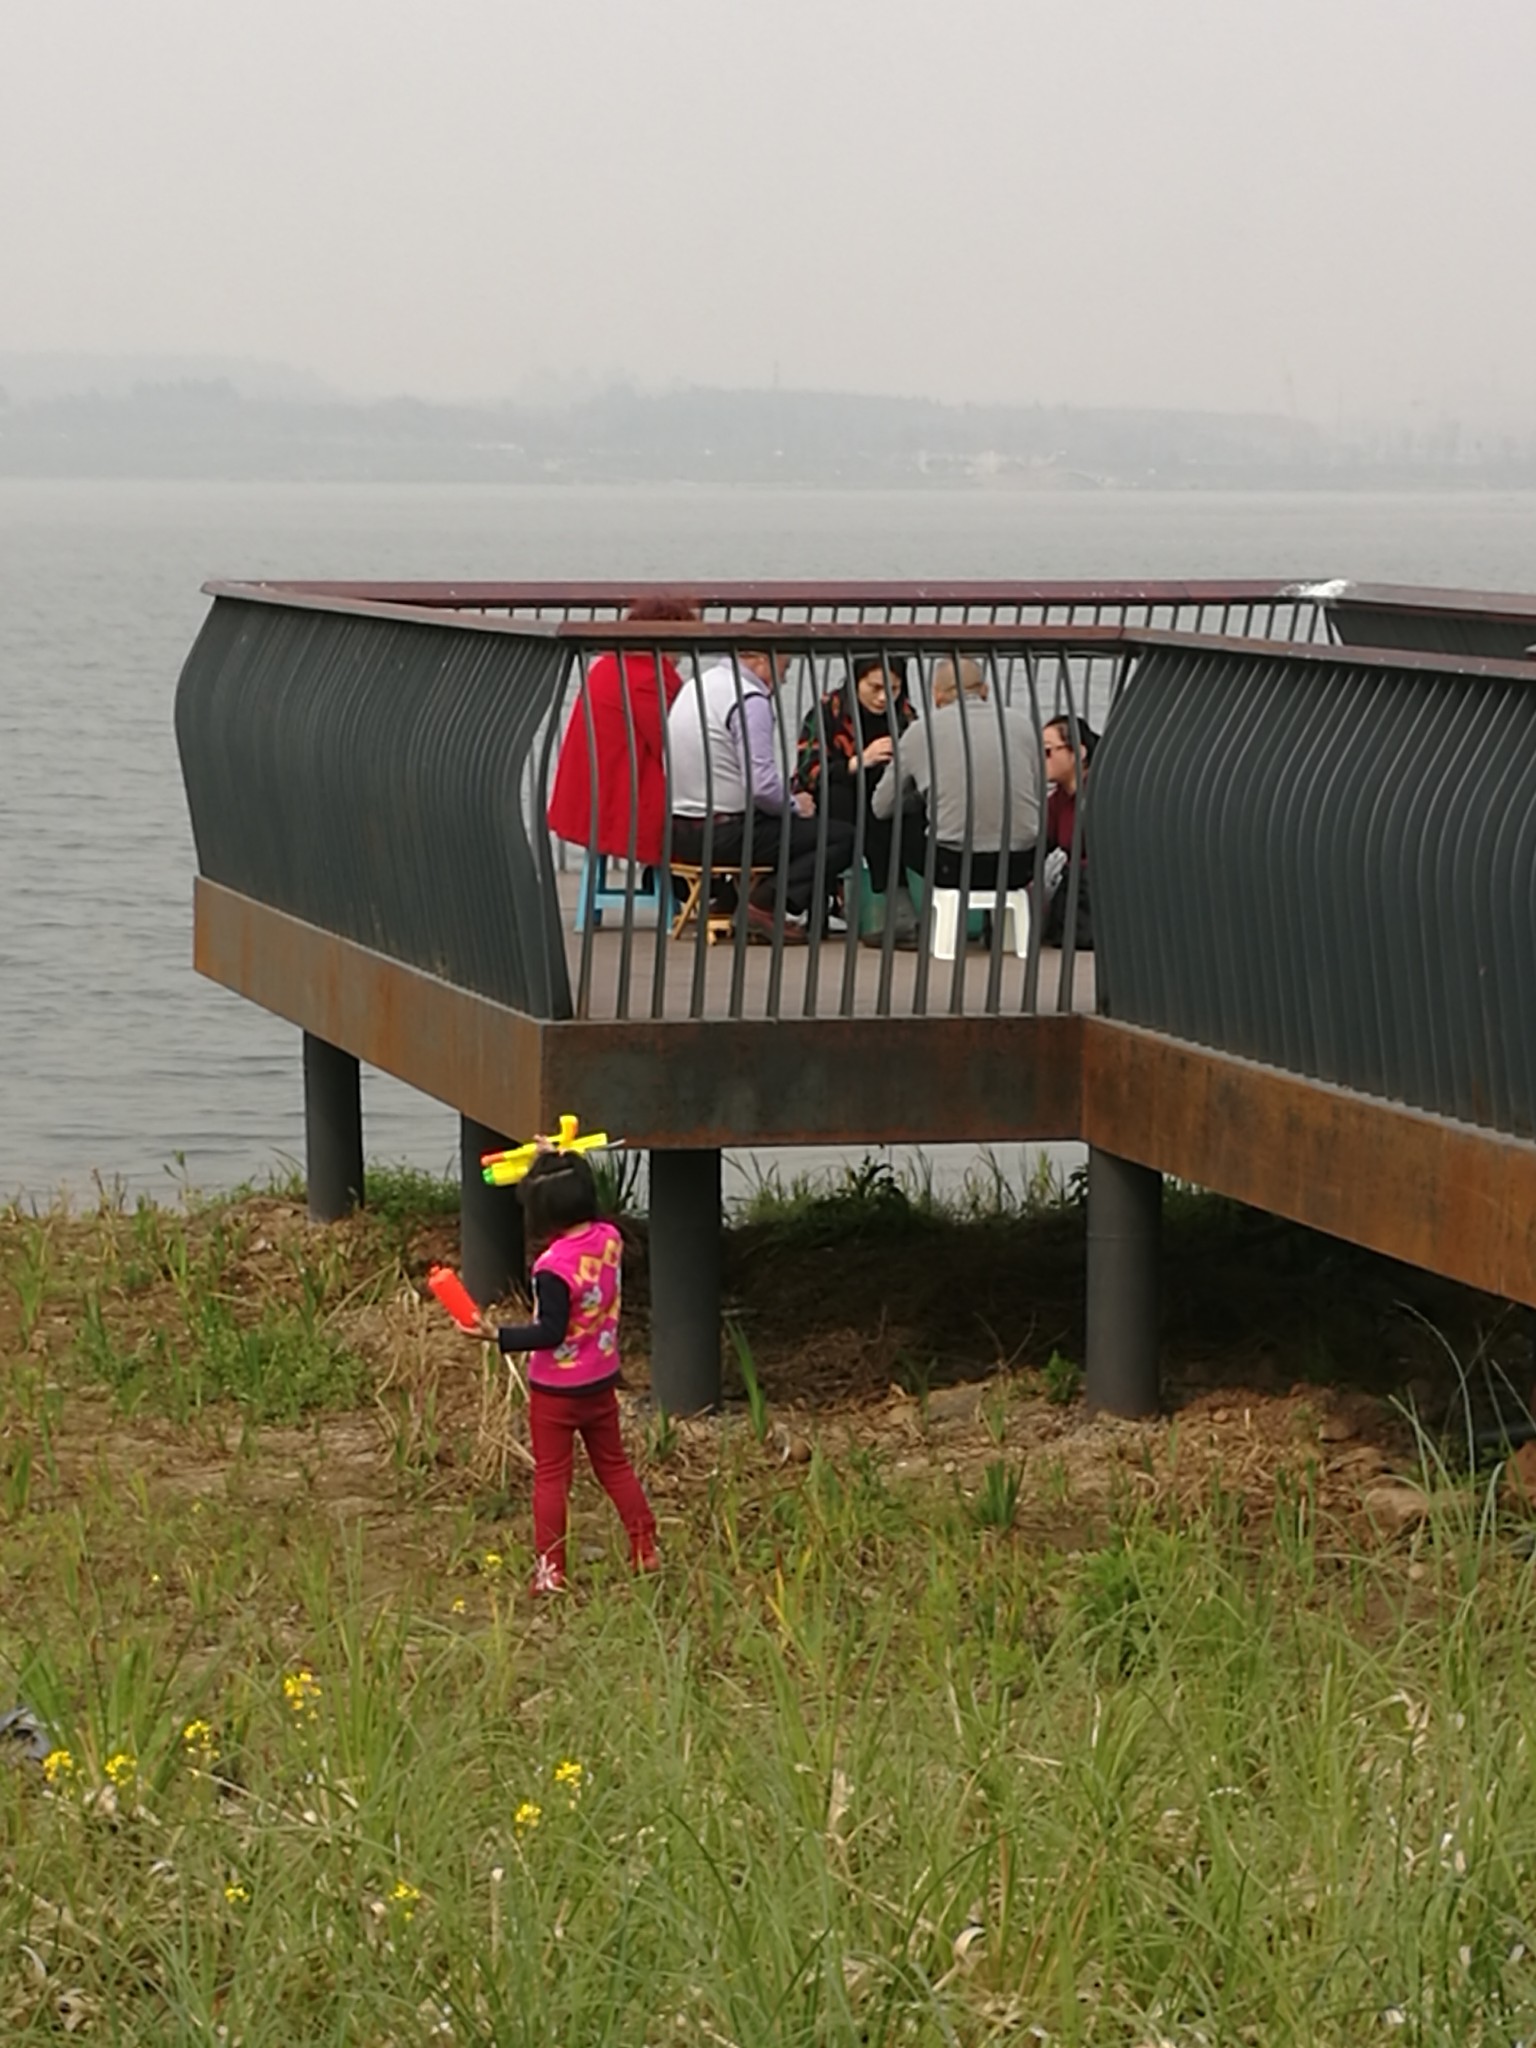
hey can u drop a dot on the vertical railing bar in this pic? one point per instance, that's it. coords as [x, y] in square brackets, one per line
[626, 936]
[962, 934]
[706, 850]
[1071, 882]
[992, 1000]
[888, 931]
[665, 906]
[741, 922]
[930, 843]
[588, 882]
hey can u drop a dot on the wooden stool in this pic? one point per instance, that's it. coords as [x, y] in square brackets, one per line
[718, 924]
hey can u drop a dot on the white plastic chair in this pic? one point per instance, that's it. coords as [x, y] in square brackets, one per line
[947, 912]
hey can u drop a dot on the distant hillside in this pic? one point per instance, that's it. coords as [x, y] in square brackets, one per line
[26, 377]
[233, 425]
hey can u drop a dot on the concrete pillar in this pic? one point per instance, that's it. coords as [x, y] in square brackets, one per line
[333, 1130]
[1125, 1204]
[685, 1280]
[491, 1255]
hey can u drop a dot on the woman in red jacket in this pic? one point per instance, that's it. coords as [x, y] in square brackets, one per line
[599, 736]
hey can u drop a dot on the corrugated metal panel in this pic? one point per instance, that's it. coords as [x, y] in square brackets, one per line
[1327, 866]
[368, 776]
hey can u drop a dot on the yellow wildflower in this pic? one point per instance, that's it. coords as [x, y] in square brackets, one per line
[492, 1562]
[569, 1775]
[121, 1769]
[198, 1737]
[527, 1816]
[58, 1765]
[459, 1605]
[301, 1689]
[237, 1895]
[406, 1896]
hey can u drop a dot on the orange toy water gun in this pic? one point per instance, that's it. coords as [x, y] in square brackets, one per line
[506, 1169]
[455, 1297]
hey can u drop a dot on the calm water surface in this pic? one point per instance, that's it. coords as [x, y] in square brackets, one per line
[115, 1057]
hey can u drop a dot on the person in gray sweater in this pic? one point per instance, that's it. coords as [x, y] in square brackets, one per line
[977, 763]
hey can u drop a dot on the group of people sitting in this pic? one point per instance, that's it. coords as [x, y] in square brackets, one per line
[871, 779]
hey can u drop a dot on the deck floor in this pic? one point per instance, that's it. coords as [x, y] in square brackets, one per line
[838, 978]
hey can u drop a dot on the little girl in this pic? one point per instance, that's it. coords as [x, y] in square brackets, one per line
[573, 1365]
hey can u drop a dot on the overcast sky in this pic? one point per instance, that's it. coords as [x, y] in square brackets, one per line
[1321, 206]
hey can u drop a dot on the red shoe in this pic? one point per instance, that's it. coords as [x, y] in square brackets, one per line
[548, 1577]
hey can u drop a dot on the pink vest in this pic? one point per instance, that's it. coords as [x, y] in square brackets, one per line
[588, 1260]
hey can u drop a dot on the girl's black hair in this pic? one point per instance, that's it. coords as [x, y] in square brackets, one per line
[557, 1192]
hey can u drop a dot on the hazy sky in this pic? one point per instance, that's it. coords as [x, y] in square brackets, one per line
[1321, 205]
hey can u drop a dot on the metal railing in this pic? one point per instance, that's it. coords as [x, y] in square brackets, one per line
[1325, 860]
[1316, 857]
[385, 773]
[801, 959]
[1250, 609]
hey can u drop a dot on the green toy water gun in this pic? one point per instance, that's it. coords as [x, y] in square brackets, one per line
[506, 1169]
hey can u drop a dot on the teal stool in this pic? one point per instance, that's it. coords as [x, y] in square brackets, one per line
[596, 890]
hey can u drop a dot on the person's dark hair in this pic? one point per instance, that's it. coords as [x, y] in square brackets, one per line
[893, 665]
[664, 605]
[557, 1192]
[1087, 738]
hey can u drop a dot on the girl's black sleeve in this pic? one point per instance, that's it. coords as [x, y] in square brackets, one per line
[552, 1318]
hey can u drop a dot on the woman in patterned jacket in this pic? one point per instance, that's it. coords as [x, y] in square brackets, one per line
[845, 749]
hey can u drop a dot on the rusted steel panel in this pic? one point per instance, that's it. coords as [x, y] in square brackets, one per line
[842, 1081]
[1442, 1195]
[476, 1055]
[836, 1081]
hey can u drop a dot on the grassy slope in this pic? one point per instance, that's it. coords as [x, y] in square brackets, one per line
[956, 1714]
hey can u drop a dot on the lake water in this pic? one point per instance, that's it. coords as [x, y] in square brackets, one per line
[115, 1058]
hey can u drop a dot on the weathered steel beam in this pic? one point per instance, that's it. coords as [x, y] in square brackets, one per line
[477, 1056]
[689, 1083]
[822, 1081]
[1449, 1197]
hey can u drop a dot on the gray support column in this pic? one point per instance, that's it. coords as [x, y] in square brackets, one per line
[491, 1255]
[333, 1130]
[1125, 1204]
[685, 1280]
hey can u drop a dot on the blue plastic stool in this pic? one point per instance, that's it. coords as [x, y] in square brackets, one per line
[596, 890]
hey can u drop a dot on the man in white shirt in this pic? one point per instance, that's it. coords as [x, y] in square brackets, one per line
[726, 778]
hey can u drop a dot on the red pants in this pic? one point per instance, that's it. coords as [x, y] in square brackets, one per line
[554, 1422]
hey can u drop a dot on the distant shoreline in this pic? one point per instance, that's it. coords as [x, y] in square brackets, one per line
[210, 428]
[1361, 485]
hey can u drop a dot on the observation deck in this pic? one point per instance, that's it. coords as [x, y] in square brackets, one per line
[1310, 826]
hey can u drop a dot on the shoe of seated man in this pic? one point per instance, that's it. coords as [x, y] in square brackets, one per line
[761, 927]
